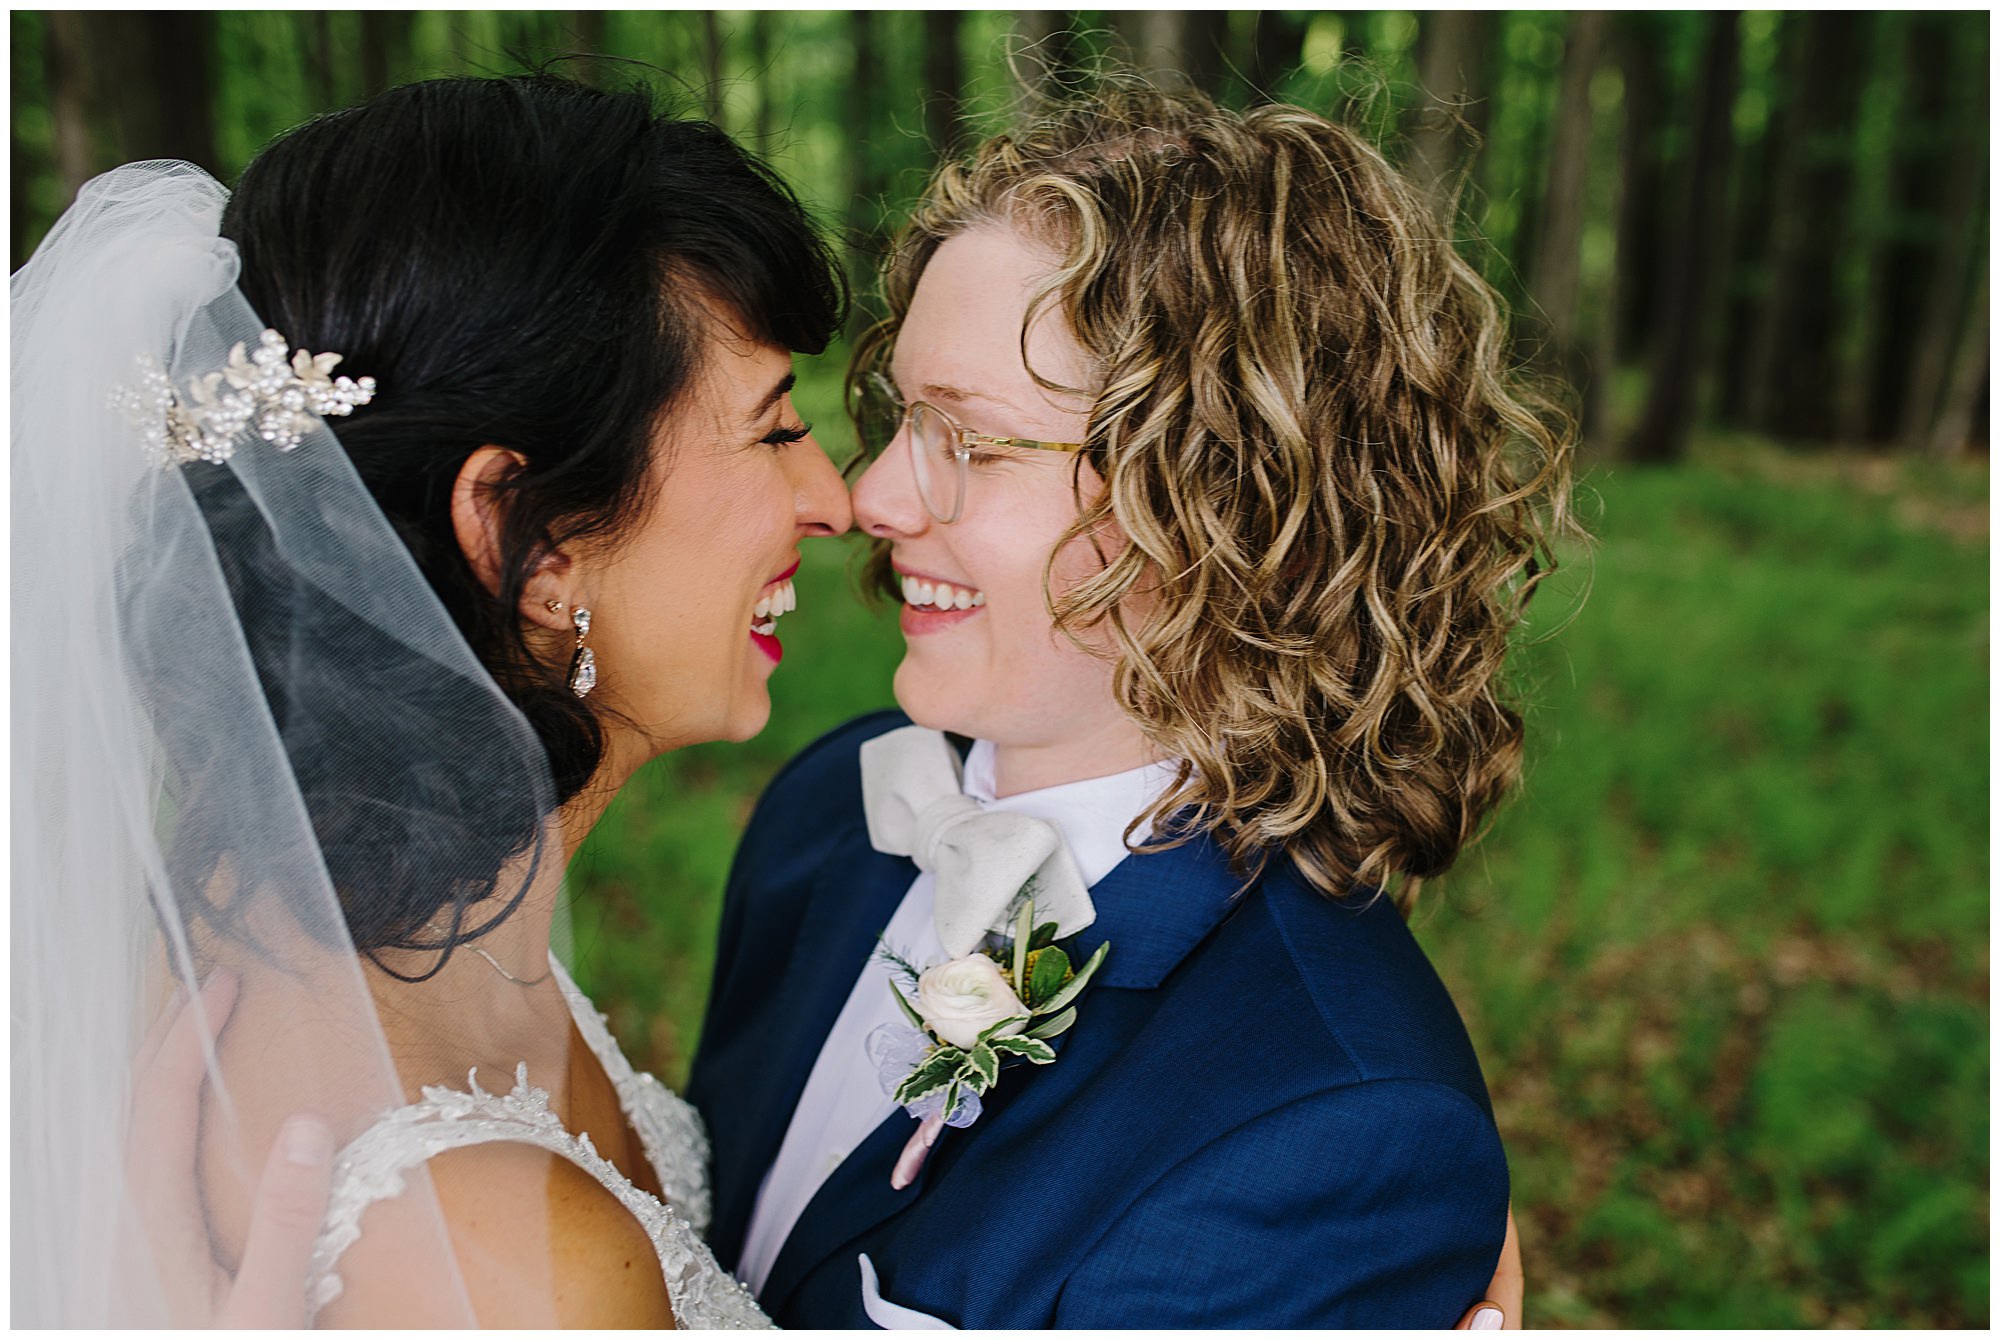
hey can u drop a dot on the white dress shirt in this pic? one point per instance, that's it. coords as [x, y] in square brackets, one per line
[843, 1099]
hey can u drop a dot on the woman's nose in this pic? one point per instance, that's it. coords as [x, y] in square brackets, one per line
[885, 497]
[823, 505]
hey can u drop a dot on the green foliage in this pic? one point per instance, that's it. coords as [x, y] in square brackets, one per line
[1048, 972]
[1724, 960]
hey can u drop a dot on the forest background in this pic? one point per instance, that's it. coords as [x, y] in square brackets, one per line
[1726, 960]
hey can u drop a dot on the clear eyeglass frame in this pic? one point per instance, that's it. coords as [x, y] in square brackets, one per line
[941, 448]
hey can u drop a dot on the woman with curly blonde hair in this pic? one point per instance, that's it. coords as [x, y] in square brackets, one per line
[1212, 506]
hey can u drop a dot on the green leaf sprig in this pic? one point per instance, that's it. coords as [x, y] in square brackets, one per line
[1042, 976]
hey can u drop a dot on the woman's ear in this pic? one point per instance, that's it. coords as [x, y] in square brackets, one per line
[478, 519]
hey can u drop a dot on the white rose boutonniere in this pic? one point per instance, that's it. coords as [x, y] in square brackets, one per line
[961, 999]
[971, 1016]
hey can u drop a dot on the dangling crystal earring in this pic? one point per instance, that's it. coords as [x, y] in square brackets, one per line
[583, 662]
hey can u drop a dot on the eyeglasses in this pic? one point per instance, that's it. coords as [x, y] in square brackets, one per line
[940, 448]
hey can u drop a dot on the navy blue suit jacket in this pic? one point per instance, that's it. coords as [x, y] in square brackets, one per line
[1267, 1114]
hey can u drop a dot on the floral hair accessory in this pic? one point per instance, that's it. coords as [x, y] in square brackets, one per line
[266, 394]
[970, 1017]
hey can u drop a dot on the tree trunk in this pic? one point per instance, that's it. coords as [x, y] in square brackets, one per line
[865, 185]
[1926, 263]
[1750, 241]
[385, 47]
[1041, 53]
[1970, 372]
[1797, 349]
[711, 67]
[70, 99]
[154, 81]
[587, 35]
[1671, 398]
[1861, 343]
[1558, 268]
[1453, 51]
[316, 36]
[1643, 203]
[1277, 48]
[944, 79]
[1172, 46]
[759, 33]
[1930, 362]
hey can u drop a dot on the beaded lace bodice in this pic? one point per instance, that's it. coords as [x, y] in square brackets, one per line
[373, 1165]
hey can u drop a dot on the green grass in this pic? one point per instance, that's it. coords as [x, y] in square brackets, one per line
[1725, 959]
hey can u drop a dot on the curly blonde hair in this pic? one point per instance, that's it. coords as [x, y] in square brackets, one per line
[1338, 494]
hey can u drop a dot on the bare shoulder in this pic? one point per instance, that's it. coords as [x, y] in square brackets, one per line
[536, 1240]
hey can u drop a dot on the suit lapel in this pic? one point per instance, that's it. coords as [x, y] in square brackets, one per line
[849, 1203]
[854, 894]
[1154, 910]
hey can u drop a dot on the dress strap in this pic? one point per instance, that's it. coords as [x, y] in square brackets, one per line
[375, 1166]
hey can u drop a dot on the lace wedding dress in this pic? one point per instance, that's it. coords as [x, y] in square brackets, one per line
[372, 1168]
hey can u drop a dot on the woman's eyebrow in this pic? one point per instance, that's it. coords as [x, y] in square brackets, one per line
[958, 395]
[777, 393]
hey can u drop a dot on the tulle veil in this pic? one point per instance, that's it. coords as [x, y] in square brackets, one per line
[175, 705]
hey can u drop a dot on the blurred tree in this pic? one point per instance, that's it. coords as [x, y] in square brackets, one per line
[1448, 119]
[944, 79]
[587, 28]
[1167, 44]
[1637, 39]
[70, 96]
[757, 33]
[1689, 275]
[1043, 49]
[1954, 235]
[316, 43]
[866, 170]
[1971, 373]
[712, 52]
[1794, 352]
[1557, 275]
[1277, 43]
[385, 48]
[1748, 279]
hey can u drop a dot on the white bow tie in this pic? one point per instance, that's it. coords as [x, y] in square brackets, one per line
[911, 791]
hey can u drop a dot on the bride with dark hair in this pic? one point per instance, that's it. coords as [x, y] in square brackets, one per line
[312, 721]
[315, 720]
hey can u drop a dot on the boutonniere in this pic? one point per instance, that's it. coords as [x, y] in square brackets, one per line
[969, 1018]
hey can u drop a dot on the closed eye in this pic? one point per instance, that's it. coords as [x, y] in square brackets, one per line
[784, 437]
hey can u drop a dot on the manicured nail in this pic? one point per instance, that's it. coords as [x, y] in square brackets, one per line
[307, 1142]
[1488, 1319]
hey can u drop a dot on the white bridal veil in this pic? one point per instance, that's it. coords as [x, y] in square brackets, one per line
[242, 723]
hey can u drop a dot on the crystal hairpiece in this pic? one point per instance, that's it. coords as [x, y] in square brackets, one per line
[259, 392]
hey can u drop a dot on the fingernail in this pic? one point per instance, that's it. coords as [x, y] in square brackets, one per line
[307, 1141]
[1488, 1319]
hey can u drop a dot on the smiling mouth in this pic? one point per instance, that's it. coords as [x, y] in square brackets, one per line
[921, 593]
[774, 604]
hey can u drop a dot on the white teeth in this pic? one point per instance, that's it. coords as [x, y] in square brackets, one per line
[783, 599]
[940, 595]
